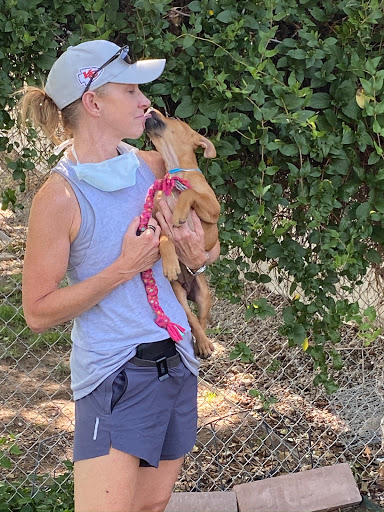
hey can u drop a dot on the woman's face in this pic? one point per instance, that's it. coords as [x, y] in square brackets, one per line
[122, 108]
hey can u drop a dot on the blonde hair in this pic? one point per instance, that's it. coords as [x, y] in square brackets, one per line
[35, 105]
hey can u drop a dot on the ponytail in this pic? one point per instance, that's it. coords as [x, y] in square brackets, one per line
[39, 108]
[42, 111]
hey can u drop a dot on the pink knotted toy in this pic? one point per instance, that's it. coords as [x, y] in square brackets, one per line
[166, 185]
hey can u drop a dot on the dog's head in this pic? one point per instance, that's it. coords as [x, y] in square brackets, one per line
[168, 132]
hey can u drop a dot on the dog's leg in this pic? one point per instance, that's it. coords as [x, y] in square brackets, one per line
[171, 266]
[202, 298]
[205, 205]
[203, 346]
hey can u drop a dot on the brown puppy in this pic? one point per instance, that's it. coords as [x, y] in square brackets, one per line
[177, 143]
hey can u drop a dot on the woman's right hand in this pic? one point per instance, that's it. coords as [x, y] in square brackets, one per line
[139, 252]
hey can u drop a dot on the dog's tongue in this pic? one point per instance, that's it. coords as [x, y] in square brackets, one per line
[152, 121]
[148, 115]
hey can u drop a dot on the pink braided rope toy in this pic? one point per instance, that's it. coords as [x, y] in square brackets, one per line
[166, 184]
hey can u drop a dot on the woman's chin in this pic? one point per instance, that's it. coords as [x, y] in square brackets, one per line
[134, 133]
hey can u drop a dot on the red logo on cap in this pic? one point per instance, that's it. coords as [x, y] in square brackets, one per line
[85, 74]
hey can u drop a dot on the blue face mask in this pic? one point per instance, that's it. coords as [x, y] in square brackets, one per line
[112, 174]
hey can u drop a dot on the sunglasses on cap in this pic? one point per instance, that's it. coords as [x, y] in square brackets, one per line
[123, 53]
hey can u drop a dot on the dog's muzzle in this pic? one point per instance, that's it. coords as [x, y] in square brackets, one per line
[154, 123]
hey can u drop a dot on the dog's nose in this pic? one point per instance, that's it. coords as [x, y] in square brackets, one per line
[154, 122]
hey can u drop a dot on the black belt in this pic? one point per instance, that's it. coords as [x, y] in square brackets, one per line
[162, 354]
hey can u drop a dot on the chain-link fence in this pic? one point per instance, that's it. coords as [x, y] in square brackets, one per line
[286, 425]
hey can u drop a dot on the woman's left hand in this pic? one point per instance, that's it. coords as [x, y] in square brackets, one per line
[189, 241]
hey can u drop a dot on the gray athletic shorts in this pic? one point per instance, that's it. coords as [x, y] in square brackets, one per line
[135, 412]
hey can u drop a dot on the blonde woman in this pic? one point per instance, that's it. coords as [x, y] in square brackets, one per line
[135, 419]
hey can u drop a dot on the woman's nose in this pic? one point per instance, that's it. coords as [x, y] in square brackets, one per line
[144, 101]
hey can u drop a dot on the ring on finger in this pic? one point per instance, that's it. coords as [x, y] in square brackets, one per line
[151, 227]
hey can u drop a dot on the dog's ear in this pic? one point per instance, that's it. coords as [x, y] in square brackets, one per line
[209, 148]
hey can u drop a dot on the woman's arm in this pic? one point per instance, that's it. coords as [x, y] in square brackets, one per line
[53, 224]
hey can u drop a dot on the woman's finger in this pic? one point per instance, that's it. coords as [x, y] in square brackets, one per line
[166, 211]
[153, 228]
[161, 220]
[197, 226]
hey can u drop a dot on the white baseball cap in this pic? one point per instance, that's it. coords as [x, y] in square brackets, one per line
[99, 62]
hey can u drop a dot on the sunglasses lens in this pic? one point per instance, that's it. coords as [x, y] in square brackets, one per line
[126, 56]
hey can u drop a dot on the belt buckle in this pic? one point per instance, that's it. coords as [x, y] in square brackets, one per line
[162, 368]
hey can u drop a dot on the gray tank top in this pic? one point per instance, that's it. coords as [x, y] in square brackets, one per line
[106, 336]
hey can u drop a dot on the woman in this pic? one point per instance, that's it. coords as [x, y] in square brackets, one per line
[135, 416]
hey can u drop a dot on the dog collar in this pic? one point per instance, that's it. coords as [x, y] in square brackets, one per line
[178, 169]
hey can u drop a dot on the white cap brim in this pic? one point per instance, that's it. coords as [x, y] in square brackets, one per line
[141, 72]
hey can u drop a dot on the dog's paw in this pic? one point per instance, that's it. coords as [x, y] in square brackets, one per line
[178, 221]
[171, 272]
[204, 348]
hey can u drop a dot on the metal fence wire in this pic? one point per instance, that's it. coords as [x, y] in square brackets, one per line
[287, 426]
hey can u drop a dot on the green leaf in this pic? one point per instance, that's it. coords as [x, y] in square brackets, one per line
[297, 54]
[243, 351]
[45, 61]
[226, 16]
[101, 21]
[5, 462]
[318, 14]
[288, 315]
[199, 121]
[195, 6]
[376, 126]
[186, 108]
[362, 211]
[161, 88]
[89, 27]
[298, 334]
[373, 256]
[289, 150]
[264, 278]
[373, 158]
[378, 234]
[274, 251]
[320, 100]
[188, 41]
[351, 109]
[15, 450]
[224, 148]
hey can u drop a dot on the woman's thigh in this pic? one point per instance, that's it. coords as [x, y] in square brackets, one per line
[155, 485]
[106, 483]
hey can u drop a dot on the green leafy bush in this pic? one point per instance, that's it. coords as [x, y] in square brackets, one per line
[55, 495]
[291, 93]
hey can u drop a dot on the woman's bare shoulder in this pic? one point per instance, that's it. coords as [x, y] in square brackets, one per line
[154, 161]
[57, 190]
[55, 203]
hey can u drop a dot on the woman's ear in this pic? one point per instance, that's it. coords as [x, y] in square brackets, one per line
[209, 148]
[91, 103]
